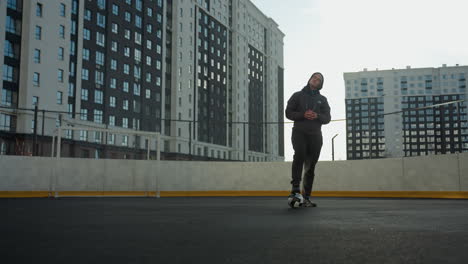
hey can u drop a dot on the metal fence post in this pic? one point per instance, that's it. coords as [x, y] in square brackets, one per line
[34, 148]
[244, 140]
[190, 140]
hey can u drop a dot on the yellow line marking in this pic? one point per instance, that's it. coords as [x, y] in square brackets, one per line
[372, 194]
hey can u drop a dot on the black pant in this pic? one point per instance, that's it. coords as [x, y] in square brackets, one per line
[306, 154]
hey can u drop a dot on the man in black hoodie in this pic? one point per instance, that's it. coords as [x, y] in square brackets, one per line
[309, 110]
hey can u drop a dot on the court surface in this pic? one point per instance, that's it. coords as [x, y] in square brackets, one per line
[233, 230]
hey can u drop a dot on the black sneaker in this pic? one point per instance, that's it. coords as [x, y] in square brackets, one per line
[308, 203]
[295, 200]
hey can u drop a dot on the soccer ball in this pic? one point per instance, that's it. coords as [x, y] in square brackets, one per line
[295, 200]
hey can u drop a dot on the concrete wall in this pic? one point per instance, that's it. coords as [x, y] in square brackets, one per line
[463, 171]
[430, 173]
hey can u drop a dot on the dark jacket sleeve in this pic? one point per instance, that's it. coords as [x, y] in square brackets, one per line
[324, 115]
[292, 109]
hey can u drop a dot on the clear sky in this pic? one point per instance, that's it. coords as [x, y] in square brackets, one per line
[337, 36]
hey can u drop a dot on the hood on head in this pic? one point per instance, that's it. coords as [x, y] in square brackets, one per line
[323, 80]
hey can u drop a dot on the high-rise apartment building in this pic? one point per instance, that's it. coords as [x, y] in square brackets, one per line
[206, 74]
[406, 112]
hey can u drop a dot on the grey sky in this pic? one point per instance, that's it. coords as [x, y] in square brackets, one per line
[336, 36]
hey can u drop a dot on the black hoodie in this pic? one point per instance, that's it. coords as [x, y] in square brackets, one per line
[304, 100]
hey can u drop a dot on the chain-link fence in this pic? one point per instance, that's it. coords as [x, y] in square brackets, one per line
[201, 140]
[34, 131]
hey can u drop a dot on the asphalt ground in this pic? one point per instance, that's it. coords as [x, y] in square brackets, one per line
[233, 230]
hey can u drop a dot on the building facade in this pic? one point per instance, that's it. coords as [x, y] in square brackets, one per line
[406, 112]
[206, 74]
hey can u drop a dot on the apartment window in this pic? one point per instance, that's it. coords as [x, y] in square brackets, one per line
[72, 47]
[100, 39]
[125, 123]
[115, 9]
[149, 28]
[148, 60]
[148, 77]
[137, 55]
[5, 124]
[137, 38]
[137, 72]
[111, 120]
[125, 139]
[37, 56]
[97, 135]
[148, 94]
[99, 77]
[139, 5]
[148, 44]
[75, 7]
[137, 21]
[136, 89]
[84, 74]
[149, 12]
[127, 34]
[70, 112]
[35, 100]
[98, 116]
[113, 83]
[136, 109]
[36, 79]
[61, 52]
[12, 25]
[62, 31]
[128, 17]
[99, 58]
[115, 28]
[59, 98]
[84, 135]
[7, 97]
[113, 64]
[101, 4]
[8, 49]
[127, 52]
[71, 89]
[84, 94]
[125, 105]
[126, 86]
[60, 75]
[112, 101]
[86, 34]
[62, 10]
[98, 97]
[114, 46]
[101, 20]
[38, 33]
[85, 54]
[39, 10]
[87, 15]
[126, 69]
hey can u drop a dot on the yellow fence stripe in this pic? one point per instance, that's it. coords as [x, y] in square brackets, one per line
[371, 194]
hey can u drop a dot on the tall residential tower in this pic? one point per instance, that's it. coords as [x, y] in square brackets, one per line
[207, 74]
[406, 112]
